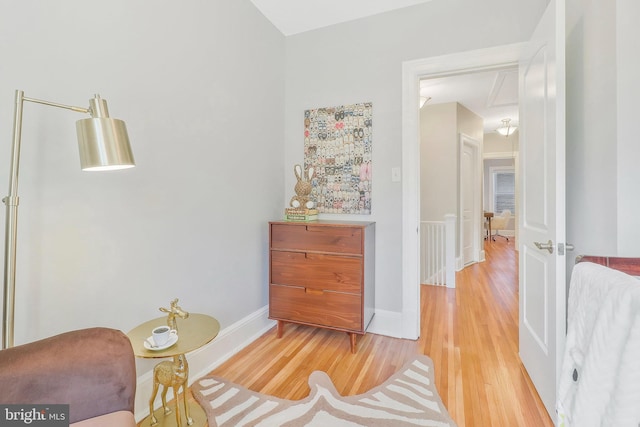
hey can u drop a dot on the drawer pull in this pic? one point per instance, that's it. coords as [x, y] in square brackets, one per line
[313, 291]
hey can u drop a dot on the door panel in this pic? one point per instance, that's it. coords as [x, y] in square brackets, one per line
[536, 296]
[542, 219]
[535, 105]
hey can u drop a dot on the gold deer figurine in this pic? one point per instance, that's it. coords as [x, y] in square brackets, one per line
[174, 374]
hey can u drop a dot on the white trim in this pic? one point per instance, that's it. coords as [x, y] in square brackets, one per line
[388, 323]
[412, 72]
[518, 198]
[229, 341]
[498, 155]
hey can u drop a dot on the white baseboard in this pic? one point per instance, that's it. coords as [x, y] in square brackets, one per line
[387, 323]
[229, 341]
[508, 233]
[435, 278]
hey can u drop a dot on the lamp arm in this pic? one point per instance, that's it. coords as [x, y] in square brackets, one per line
[55, 104]
[11, 224]
[103, 144]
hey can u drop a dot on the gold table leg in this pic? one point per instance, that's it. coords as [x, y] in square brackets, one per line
[174, 374]
[197, 414]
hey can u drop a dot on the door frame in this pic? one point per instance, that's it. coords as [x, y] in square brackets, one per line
[476, 205]
[412, 71]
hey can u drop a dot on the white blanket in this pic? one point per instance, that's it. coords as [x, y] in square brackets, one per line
[600, 377]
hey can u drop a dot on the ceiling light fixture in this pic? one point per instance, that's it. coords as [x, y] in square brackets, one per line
[507, 128]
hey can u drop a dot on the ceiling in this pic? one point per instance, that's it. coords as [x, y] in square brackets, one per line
[297, 16]
[493, 95]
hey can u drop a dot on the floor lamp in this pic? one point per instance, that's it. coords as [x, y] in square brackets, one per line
[104, 145]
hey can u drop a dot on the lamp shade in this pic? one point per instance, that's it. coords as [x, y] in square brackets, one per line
[103, 144]
[103, 141]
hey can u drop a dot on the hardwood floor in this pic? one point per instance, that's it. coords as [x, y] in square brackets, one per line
[470, 332]
[474, 344]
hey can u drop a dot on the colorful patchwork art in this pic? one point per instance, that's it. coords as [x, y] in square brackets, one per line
[337, 144]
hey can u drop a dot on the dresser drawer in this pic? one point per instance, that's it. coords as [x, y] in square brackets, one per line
[310, 237]
[317, 271]
[333, 309]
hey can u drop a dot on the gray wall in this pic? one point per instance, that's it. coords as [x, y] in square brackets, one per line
[361, 61]
[628, 93]
[603, 203]
[440, 129]
[205, 89]
[201, 87]
[591, 132]
[496, 143]
[470, 124]
[438, 161]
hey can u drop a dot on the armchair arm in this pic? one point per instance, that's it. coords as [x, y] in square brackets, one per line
[92, 370]
[499, 223]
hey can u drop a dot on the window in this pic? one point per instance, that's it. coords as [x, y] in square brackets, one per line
[504, 191]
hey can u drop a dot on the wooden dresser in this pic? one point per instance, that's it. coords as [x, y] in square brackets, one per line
[321, 273]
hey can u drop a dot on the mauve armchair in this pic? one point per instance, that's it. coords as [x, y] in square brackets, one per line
[92, 370]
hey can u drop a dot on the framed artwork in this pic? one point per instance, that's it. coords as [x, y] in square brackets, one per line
[337, 144]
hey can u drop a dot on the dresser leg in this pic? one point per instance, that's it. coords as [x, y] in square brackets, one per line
[352, 339]
[280, 329]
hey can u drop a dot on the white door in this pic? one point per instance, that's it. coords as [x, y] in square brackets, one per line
[470, 187]
[542, 219]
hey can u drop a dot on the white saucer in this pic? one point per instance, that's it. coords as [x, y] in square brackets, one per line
[172, 340]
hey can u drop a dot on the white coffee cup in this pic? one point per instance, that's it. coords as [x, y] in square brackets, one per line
[162, 334]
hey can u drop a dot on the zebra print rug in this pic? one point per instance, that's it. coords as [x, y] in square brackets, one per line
[408, 398]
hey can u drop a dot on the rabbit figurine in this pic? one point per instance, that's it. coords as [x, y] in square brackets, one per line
[302, 188]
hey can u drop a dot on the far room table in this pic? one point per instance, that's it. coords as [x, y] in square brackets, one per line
[193, 332]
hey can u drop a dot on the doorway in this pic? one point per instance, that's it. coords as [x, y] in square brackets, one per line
[541, 63]
[413, 71]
